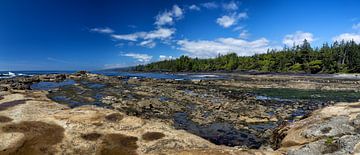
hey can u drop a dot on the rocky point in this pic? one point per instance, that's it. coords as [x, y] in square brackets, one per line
[86, 113]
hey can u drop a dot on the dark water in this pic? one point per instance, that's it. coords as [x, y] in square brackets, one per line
[51, 85]
[10, 74]
[286, 94]
[66, 92]
[218, 133]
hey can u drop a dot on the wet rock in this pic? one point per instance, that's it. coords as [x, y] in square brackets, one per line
[4, 88]
[110, 100]
[114, 117]
[114, 144]
[206, 103]
[151, 136]
[52, 77]
[4, 119]
[87, 130]
[278, 134]
[91, 136]
[6, 105]
[39, 137]
[79, 73]
[20, 86]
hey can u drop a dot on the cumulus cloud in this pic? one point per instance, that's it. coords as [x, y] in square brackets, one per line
[164, 57]
[229, 20]
[128, 37]
[177, 11]
[207, 48]
[148, 39]
[297, 38]
[210, 5]
[348, 37]
[105, 30]
[231, 6]
[160, 33]
[226, 21]
[167, 17]
[139, 57]
[164, 18]
[148, 43]
[194, 7]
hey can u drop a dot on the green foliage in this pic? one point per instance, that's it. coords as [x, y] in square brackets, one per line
[315, 66]
[296, 67]
[340, 57]
[329, 140]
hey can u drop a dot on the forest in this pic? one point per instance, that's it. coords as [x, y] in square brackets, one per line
[338, 57]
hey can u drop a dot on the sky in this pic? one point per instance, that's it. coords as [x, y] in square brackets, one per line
[102, 34]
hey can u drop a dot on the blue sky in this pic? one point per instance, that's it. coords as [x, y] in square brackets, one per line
[98, 34]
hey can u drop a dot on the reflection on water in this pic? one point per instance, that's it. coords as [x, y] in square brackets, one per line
[218, 133]
[51, 85]
[287, 94]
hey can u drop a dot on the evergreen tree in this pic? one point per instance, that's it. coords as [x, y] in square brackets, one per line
[337, 57]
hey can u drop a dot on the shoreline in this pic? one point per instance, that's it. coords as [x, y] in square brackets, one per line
[203, 103]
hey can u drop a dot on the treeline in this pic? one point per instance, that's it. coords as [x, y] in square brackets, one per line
[339, 57]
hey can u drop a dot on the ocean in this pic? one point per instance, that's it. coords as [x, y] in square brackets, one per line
[179, 76]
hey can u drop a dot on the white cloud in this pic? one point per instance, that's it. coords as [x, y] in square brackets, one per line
[164, 57]
[164, 18]
[139, 57]
[149, 38]
[207, 48]
[167, 17]
[160, 33]
[210, 5]
[105, 30]
[356, 26]
[297, 38]
[129, 37]
[177, 11]
[229, 20]
[231, 6]
[194, 7]
[148, 43]
[348, 37]
[226, 21]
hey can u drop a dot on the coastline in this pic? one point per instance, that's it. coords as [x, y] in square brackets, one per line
[147, 105]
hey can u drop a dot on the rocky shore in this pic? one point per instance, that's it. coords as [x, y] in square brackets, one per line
[85, 113]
